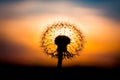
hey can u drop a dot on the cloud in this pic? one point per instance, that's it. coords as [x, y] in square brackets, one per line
[9, 47]
[31, 8]
[111, 8]
[11, 9]
[9, 1]
[10, 50]
[14, 52]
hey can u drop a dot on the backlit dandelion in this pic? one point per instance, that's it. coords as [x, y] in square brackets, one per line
[62, 29]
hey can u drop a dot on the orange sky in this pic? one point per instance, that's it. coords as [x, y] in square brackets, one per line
[101, 36]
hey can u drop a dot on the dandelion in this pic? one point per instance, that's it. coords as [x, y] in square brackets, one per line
[62, 40]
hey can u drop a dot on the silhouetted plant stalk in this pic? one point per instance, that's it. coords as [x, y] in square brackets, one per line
[62, 42]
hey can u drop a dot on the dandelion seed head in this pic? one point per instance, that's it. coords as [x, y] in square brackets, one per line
[64, 29]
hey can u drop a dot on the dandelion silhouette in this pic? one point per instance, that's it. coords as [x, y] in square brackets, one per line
[63, 41]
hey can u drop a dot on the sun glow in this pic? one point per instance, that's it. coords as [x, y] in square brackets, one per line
[65, 29]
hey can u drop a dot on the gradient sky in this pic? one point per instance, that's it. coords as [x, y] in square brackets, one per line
[23, 23]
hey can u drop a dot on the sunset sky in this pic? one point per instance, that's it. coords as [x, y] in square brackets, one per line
[23, 22]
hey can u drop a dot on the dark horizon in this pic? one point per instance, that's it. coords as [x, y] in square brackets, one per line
[14, 71]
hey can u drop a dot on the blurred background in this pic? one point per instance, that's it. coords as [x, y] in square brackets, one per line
[23, 22]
